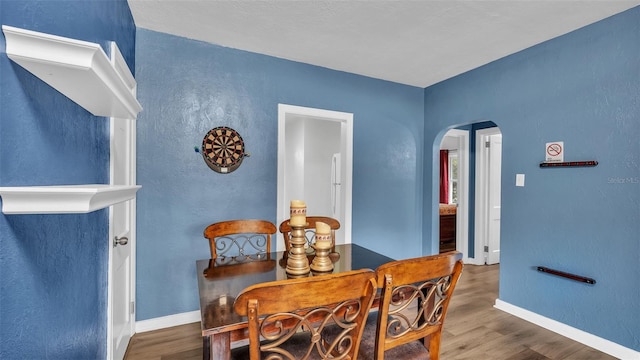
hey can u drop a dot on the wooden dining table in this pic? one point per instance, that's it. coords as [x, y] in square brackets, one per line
[221, 280]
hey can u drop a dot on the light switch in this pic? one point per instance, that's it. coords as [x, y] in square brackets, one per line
[519, 179]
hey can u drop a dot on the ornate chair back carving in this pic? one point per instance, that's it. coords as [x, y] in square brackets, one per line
[310, 230]
[414, 300]
[298, 318]
[238, 240]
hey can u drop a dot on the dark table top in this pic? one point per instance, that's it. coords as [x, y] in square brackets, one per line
[219, 284]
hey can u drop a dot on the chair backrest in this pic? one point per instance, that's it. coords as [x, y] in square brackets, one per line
[240, 238]
[310, 230]
[427, 282]
[308, 317]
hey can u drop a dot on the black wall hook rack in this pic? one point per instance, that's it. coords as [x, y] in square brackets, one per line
[569, 164]
[567, 275]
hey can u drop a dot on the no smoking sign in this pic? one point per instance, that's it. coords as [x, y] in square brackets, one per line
[554, 152]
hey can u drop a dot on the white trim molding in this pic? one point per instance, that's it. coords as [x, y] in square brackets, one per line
[598, 343]
[167, 321]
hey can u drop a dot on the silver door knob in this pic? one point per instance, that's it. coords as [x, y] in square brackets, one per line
[120, 241]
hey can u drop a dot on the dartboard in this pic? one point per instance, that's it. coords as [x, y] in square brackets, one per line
[223, 149]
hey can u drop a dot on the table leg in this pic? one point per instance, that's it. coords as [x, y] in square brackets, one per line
[217, 347]
[205, 348]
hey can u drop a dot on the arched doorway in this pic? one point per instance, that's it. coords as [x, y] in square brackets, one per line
[476, 150]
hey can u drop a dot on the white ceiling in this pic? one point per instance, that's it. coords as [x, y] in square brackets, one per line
[414, 42]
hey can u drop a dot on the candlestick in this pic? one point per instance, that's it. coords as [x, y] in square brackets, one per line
[297, 261]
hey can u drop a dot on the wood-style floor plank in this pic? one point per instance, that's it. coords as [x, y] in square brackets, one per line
[473, 330]
[178, 342]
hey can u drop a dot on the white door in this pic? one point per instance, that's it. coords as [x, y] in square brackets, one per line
[495, 169]
[315, 164]
[488, 194]
[122, 223]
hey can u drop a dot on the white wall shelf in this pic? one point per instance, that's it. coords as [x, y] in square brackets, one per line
[81, 71]
[63, 199]
[78, 69]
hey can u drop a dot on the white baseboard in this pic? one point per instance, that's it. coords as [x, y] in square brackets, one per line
[572, 333]
[167, 321]
[473, 261]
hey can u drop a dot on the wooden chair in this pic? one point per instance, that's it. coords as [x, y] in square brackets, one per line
[310, 230]
[415, 295]
[249, 239]
[291, 316]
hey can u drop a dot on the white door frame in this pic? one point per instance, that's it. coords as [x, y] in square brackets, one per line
[129, 207]
[481, 227]
[346, 121]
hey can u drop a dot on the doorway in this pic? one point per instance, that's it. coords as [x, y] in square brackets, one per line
[315, 151]
[477, 229]
[456, 142]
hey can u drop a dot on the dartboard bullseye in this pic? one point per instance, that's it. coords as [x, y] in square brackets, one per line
[223, 149]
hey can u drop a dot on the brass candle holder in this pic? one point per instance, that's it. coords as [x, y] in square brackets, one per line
[322, 262]
[297, 262]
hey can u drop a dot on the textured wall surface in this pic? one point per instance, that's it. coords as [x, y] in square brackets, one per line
[53, 268]
[188, 87]
[581, 88]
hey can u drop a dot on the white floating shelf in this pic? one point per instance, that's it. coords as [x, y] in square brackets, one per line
[78, 69]
[63, 199]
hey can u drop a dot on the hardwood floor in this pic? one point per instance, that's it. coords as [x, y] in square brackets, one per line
[473, 329]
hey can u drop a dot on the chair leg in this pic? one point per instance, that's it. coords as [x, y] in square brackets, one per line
[434, 346]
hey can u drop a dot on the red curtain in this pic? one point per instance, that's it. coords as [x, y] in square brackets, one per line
[444, 176]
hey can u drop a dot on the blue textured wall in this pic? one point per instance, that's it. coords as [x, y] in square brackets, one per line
[581, 88]
[189, 87]
[53, 268]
